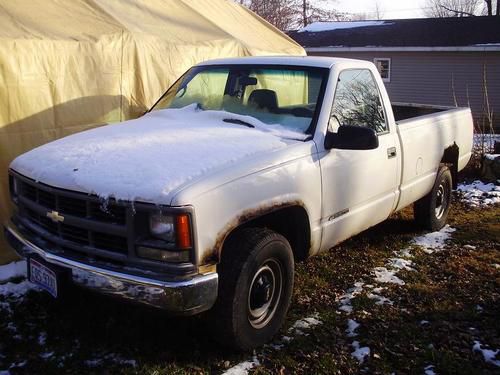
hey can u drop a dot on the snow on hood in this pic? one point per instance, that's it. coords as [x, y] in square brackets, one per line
[147, 158]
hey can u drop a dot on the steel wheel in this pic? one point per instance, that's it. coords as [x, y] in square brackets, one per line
[441, 200]
[264, 293]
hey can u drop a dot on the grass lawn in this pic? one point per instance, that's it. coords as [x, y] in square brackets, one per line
[449, 300]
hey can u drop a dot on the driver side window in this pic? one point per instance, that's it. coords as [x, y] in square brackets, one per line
[357, 102]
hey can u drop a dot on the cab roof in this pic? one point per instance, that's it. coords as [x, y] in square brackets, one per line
[309, 61]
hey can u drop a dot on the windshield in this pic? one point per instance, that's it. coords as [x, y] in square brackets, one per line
[288, 96]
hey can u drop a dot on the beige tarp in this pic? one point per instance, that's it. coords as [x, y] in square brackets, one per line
[68, 65]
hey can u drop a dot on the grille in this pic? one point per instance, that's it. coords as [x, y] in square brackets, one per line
[37, 201]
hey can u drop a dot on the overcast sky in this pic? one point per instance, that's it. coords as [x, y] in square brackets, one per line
[389, 8]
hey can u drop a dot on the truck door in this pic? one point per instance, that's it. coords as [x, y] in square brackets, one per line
[359, 186]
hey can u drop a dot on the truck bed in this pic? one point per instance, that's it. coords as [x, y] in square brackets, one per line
[424, 137]
[405, 111]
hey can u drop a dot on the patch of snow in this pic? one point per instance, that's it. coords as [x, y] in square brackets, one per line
[488, 354]
[18, 364]
[479, 194]
[277, 346]
[297, 329]
[243, 367]
[347, 308]
[470, 247]
[352, 325]
[346, 299]
[380, 300]
[5, 306]
[12, 327]
[13, 270]
[17, 290]
[147, 158]
[404, 253]
[116, 358]
[401, 264]
[330, 26]
[492, 156]
[4, 372]
[429, 370]
[383, 275]
[300, 325]
[360, 353]
[479, 308]
[46, 355]
[424, 322]
[93, 362]
[434, 241]
[42, 338]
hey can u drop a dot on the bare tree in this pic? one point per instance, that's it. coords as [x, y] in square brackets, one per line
[378, 11]
[453, 8]
[460, 8]
[292, 14]
[359, 16]
[489, 8]
[281, 13]
[319, 10]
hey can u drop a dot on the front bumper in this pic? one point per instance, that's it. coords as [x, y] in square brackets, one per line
[178, 297]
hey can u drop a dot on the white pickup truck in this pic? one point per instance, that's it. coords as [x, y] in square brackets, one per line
[242, 168]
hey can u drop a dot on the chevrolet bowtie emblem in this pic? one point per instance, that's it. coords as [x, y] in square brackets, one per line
[55, 217]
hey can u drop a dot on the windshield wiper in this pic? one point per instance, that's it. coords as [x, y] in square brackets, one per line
[239, 122]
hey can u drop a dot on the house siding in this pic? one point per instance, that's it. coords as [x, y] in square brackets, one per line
[442, 78]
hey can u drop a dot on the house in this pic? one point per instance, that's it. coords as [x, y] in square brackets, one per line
[438, 61]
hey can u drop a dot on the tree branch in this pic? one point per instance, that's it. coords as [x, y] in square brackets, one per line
[457, 11]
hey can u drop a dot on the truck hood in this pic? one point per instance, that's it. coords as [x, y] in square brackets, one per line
[149, 158]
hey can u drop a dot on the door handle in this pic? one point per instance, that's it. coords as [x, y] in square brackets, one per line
[391, 152]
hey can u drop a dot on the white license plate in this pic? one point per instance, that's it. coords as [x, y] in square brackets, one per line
[43, 276]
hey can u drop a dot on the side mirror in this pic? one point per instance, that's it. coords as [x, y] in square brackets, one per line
[350, 137]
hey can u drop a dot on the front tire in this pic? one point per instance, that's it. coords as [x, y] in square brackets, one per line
[256, 284]
[431, 211]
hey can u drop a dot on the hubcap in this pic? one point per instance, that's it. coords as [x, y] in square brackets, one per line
[264, 293]
[441, 200]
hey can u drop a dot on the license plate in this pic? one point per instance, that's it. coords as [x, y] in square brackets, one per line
[43, 276]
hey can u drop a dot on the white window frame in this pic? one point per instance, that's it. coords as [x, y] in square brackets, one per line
[388, 59]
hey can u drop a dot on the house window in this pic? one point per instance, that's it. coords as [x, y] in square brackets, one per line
[384, 68]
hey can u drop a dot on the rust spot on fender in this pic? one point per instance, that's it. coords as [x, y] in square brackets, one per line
[212, 255]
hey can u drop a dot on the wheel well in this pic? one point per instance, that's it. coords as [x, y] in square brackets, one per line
[291, 222]
[450, 158]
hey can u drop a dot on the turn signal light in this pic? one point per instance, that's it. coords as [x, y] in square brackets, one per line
[183, 231]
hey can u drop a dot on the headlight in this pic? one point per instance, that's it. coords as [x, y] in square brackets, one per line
[169, 238]
[162, 227]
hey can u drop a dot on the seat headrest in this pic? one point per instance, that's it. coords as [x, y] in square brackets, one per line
[264, 99]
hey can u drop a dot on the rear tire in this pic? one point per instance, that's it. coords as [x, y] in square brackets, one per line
[431, 211]
[255, 288]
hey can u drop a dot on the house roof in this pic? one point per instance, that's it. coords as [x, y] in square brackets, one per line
[482, 32]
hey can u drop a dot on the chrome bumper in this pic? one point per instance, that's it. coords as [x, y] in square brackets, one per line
[179, 297]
